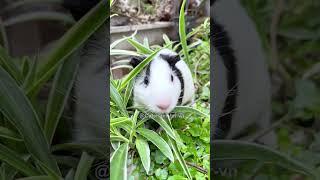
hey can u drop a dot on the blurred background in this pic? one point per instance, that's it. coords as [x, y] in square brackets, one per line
[28, 27]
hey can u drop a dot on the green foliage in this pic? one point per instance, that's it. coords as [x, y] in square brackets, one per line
[154, 154]
[296, 98]
[26, 131]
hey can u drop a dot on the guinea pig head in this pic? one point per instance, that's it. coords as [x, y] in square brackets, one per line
[158, 88]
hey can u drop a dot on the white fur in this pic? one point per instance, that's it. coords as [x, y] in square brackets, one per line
[254, 97]
[160, 85]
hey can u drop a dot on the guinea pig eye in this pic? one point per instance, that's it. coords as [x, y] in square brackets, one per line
[146, 81]
[171, 78]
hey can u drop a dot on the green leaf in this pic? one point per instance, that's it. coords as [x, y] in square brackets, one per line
[71, 41]
[161, 174]
[61, 88]
[10, 66]
[115, 43]
[119, 138]
[38, 178]
[146, 42]
[180, 158]
[17, 108]
[117, 99]
[13, 159]
[70, 175]
[164, 125]
[139, 47]
[114, 52]
[120, 120]
[7, 133]
[144, 153]
[137, 70]
[84, 167]
[182, 32]
[30, 77]
[118, 169]
[157, 141]
[128, 92]
[185, 109]
[238, 150]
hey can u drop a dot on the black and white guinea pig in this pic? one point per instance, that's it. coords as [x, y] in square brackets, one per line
[241, 84]
[165, 83]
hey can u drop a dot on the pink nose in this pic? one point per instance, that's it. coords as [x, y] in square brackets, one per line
[163, 105]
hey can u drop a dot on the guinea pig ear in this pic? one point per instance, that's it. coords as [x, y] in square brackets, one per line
[136, 60]
[171, 59]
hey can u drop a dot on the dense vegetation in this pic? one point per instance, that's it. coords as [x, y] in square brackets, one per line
[181, 150]
[27, 125]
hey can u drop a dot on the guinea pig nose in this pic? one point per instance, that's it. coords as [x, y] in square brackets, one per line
[164, 105]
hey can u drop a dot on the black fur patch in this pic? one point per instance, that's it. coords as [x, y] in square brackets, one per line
[79, 8]
[172, 60]
[136, 60]
[221, 42]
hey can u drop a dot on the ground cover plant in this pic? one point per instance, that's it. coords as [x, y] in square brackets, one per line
[181, 150]
[27, 126]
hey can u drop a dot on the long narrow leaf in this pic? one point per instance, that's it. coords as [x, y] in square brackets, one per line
[83, 167]
[10, 66]
[182, 32]
[230, 149]
[157, 141]
[139, 47]
[144, 153]
[137, 69]
[17, 108]
[118, 169]
[59, 94]
[11, 158]
[116, 98]
[185, 109]
[115, 43]
[180, 158]
[164, 125]
[7, 133]
[37, 178]
[72, 40]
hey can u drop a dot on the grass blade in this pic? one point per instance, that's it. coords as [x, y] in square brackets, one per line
[115, 43]
[139, 47]
[117, 99]
[157, 141]
[84, 167]
[72, 40]
[120, 52]
[185, 109]
[180, 158]
[38, 178]
[70, 175]
[182, 32]
[231, 149]
[61, 88]
[137, 70]
[164, 125]
[13, 159]
[144, 153]
[7, 133]
[118, 169]
[18, 109]
[128, 92]
[10, 66]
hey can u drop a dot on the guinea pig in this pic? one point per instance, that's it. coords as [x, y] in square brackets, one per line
[165, 83]
[242, 95]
